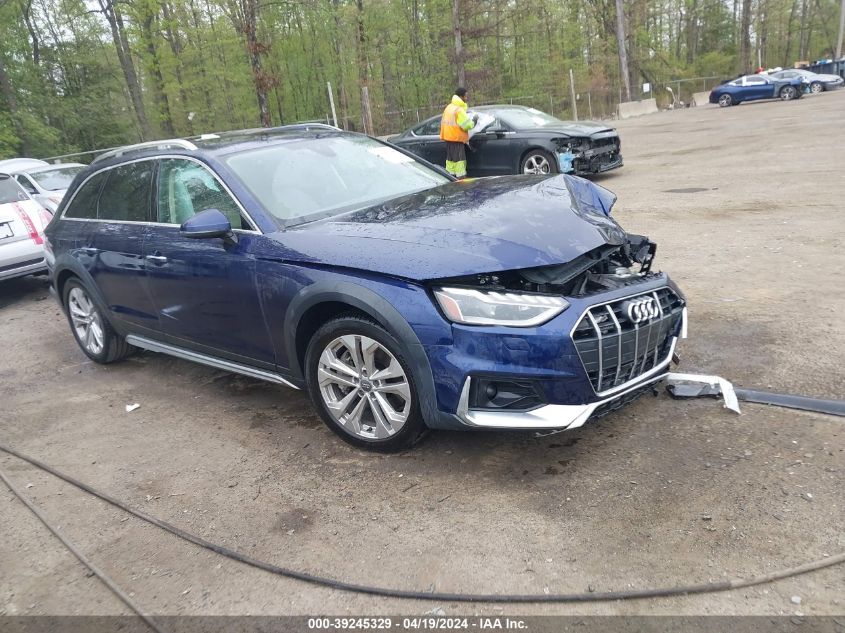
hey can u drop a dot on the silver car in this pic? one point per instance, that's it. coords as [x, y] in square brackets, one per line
[47, 183]
[22, 223]
[818, 83]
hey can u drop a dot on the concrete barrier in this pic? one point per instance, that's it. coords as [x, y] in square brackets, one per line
[701, 98]
[629, 109]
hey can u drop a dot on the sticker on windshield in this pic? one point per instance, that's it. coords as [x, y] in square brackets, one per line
[391, 155]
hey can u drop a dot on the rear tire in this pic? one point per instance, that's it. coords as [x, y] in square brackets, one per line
[362, 387]
[788, 93]
[92, 331]
[725, 101]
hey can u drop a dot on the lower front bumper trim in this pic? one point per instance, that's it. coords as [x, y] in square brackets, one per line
[550, 416]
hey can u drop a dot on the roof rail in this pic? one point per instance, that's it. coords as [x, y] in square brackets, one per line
[170, 143]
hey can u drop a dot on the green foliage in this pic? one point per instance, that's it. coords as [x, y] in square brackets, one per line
[67, 89]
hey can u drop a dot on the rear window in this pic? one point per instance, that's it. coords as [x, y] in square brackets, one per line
[56, 179]
[10, 191]
[84, 203]
[126, 194]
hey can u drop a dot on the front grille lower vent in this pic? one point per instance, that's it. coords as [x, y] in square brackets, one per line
[614, 349]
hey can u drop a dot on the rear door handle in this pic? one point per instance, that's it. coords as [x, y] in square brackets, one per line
[156, 259]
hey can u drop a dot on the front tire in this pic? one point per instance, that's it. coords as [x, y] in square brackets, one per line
[90, 328]
[788, 93]
[538, 162]
[725, 101]
[816, 87]
[361, 385]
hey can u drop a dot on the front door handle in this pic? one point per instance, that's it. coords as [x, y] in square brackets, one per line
[156, 259]
[90, 250]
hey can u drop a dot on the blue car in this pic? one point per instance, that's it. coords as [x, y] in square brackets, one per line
[756, 87]
[401, 299]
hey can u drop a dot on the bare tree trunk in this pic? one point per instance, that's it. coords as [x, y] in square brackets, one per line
[804, 35]
[176, 48]
[341, 64]
[788, 52]
[841, 29]
[623, 52]
[745, 37]
[154, 66]
[263, 81]
[459, 44]
[124, 56]
[33, 31]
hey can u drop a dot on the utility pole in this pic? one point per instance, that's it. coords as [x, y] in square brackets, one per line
[572, 92]
[623, 53]
[841, 29]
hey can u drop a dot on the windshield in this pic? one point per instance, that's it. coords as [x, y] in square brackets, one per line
[55, 179]
[10, 191]
[527, 118]
[307, 179]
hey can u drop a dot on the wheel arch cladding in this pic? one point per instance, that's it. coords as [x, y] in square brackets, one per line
[318, 303]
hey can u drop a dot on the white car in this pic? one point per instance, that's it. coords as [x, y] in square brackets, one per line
[47, 183]
[818, 83]
[22, 223]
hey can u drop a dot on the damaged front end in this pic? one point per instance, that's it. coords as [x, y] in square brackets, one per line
[597, 330]
[608, 267]
[589, 154]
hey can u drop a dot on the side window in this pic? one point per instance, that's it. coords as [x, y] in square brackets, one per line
[126, 194]
[84, 203]
[432, 128]
[185, 188]
[26, 184]
[752, 81]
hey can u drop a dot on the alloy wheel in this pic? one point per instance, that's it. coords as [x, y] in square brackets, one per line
[725, 100]
[816, 88]
[364, 387]
[536, 164]
[86, 320]
[787, 93]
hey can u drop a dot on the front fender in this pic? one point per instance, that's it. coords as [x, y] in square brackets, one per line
[385, 314]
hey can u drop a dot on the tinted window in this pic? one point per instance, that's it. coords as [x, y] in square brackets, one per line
[754, 80]
[186, 188]
[126, 194]
[303, 179]
[26, 184]
[84, 203]
[10, 192]
[432, 128]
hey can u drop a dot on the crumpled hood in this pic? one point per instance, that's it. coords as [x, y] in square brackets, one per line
[582, 128]
[461, 228]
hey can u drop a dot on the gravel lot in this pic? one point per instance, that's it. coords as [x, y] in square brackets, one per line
[746, 207]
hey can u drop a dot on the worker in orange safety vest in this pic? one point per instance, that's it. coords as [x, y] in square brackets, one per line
[454, 129]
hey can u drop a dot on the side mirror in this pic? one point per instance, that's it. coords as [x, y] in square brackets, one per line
[206, 224]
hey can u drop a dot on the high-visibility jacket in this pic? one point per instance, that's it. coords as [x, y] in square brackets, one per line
[455, 124]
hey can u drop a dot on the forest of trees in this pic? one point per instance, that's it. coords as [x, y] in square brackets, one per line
[82, 74]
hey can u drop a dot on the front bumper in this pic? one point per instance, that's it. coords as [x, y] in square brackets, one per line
[567, 397]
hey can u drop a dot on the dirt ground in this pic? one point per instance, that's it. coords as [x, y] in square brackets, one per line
[746, 207]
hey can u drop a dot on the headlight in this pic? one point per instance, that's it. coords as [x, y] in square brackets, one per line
[477, 307]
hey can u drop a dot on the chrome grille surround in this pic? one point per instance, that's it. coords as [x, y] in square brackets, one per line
[617, 352]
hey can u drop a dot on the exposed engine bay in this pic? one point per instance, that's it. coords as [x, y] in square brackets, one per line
[607, 267]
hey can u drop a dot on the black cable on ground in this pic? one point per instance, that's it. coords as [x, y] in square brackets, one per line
[411, 594]
[108, 582]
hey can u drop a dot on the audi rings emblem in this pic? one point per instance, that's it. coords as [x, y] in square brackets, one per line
[642, 309]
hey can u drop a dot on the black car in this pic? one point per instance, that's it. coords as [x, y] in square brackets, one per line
[522, 140]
